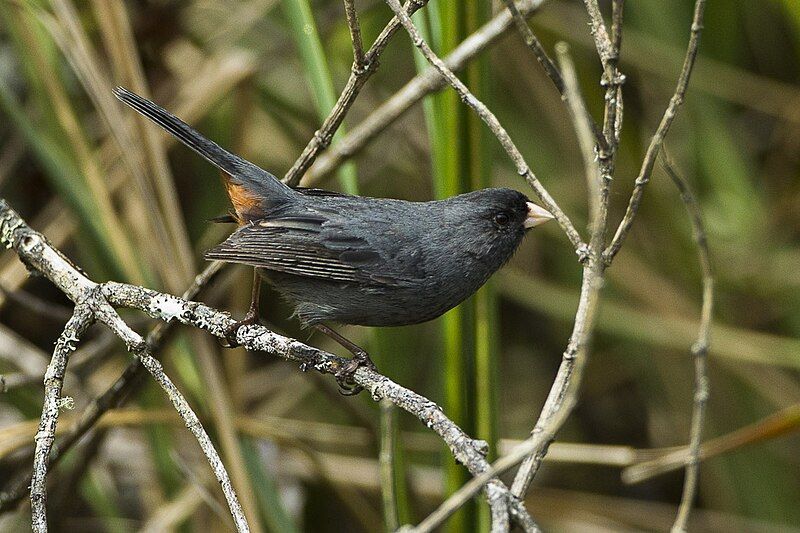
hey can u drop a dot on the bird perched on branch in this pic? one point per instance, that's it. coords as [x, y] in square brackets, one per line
[351, 259]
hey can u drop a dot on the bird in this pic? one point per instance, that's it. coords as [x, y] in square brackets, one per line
[347, 259]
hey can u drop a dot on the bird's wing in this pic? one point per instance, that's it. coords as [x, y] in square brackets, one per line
[311, 245]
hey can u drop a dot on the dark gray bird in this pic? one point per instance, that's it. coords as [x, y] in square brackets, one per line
[352, 259]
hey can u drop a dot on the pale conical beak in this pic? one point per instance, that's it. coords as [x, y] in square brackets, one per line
[536, 216]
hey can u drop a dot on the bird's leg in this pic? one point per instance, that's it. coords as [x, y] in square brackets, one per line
[252, 316]
[360, 358]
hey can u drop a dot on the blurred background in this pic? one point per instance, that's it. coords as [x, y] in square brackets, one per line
[258, 76]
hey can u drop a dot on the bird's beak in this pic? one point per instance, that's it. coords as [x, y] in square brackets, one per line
[536, 216]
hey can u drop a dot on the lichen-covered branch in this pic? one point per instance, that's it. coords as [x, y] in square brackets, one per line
[53, 403]
[113, 397]
[91, 304]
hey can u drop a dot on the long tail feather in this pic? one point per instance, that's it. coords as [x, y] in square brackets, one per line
[243, 172]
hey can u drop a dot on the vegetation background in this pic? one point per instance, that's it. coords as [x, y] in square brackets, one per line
[258, 76]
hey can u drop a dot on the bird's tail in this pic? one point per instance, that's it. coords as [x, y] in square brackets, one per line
[249, 186]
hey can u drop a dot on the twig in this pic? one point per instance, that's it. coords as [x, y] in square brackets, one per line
[658, 138]
[564, 391]
[81, 319]
[581, 123]
[34, 250]
[111, 398]
[493, 124]
[359, 75]
[536, 47]
[700, 348]
[598, 27]
[549, 67]
[355, 33]
[424, 83]
[775, 425]
[386, 462]
[137, 345]
[536, 441]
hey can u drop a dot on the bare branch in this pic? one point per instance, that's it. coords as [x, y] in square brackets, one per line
[359, 75]
[564, 392]
[549, 67]
[53, 381]
[137, 345]
[426, 82]
[34, 250]
[582, 125]
[700, 348]
[658, 138]
[355, 33]
[491, 121]
[598, 27]
[387, 470]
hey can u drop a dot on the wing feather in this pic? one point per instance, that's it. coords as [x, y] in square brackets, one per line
[309, 244]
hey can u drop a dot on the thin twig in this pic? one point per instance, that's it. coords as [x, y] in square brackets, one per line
[549, 66]
[771, 427]
[387, 470]
[81, 319]
[359, 75]
[415, 90]
[355, 33]
[137, 345]
[563, 393]
[700, 348]
[491, 121]
[601, 38]
[581, 123]
[658, 138]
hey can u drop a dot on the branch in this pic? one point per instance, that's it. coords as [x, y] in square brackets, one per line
[564, 392]
[426, 82]
[550, 68]
[493, 124]
[35, 251]
[81, 319]
[360, 73]
[598, 28]
[700, 348]
[386, 463]
[351, 15]
[581, 122]
[137, 345]
[658, 138]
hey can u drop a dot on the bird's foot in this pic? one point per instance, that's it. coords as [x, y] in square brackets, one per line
[345, 377]
[228, 339]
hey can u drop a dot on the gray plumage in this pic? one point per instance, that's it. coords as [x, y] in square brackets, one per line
[353, 259]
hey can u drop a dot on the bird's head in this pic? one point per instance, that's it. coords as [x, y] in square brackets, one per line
[494, 221]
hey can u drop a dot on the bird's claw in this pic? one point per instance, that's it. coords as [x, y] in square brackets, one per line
[345, 377]
[228, 339]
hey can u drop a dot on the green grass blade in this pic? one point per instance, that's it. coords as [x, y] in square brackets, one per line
[304, 28]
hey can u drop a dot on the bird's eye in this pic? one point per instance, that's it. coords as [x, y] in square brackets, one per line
[501, 219]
